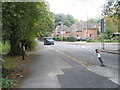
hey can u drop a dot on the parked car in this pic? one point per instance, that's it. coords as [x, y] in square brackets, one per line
[48, 41]
[78, 38]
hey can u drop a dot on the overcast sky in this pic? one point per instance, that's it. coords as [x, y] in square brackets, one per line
[78, 8]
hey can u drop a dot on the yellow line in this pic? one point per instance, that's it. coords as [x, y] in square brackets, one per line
[76, 60]
[72, 58]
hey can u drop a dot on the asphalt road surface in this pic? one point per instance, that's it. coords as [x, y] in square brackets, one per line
[71, 65]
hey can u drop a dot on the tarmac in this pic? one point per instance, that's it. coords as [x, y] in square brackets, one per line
[50, 69]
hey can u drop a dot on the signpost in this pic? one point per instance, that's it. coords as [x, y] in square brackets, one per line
[103, 29]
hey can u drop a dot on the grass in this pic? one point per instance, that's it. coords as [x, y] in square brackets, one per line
[105, 40]
[14, 70]
[4, 47]
[11, 62]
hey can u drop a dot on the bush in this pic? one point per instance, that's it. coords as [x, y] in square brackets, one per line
[65, 38]
[57, 38]
[5, 83]
[4, 47]
[72, 39]
[89, 40]
[93, 40]
[30, 44]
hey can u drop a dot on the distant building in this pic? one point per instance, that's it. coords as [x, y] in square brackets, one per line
[61, 31]
[79, 29]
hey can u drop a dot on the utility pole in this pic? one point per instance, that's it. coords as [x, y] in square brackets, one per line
[86, 20]
[87, 26]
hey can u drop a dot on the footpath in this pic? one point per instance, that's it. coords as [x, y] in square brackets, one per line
[111, 51]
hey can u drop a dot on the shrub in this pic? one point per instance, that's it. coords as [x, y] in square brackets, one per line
[30, 44]
[5, 83]
[93, 40]
[65, 38]
[4, 47]
[57, 38]
[89, 40]
[72, 39]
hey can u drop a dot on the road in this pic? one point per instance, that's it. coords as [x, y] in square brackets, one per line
[71, 65]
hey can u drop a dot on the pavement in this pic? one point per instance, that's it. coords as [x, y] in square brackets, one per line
[111, 51]
[50, 69]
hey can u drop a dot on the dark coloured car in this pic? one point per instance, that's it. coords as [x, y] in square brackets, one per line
[48, 41]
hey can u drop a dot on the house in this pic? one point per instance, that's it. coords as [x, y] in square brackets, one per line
[61, 30]
[81, 29]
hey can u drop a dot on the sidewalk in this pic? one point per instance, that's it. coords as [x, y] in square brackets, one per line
[111, 51]
[84, 42]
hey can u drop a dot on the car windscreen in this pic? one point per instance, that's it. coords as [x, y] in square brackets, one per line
[50, 39]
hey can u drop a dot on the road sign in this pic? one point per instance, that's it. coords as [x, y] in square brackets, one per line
[103, 25]
[62, 32]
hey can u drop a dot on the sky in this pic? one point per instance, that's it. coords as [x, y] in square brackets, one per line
[80, 9]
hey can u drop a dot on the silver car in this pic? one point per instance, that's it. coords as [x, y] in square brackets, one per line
[48, 41]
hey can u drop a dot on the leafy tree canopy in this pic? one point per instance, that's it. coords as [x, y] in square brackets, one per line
[22, 21]
[67, 20]
[111, 13]
[94, 20]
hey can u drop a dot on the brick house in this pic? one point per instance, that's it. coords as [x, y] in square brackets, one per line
[91, 33]
[81, 29]
[61, 31]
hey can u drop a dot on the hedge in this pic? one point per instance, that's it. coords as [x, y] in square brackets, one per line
[66, 38]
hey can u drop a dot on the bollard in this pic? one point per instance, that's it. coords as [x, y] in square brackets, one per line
[99, 57]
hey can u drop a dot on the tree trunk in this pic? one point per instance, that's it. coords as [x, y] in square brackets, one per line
[15, 44]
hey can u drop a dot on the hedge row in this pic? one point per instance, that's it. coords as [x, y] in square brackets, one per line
[69, 38]
[105, 40]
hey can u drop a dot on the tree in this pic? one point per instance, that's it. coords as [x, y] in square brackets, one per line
[94, 20]
[112, 16]
[67, 20]
[22, 21]
[112, 8]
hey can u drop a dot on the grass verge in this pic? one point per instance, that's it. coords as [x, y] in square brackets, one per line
[13, 72]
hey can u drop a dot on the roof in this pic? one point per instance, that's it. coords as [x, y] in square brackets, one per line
[62, 28]
[79, 26]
